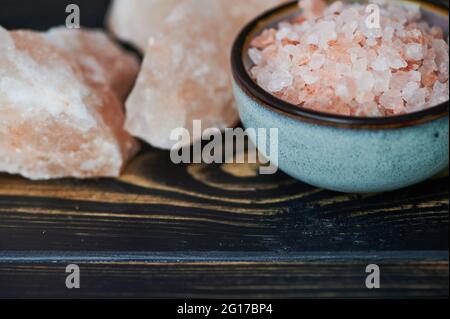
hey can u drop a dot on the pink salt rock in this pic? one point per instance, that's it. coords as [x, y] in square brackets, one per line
[100, 59]
[327, 59]
[60, 118]
[135, 21]
[186, 72]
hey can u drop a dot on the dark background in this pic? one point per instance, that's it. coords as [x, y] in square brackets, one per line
[44, 14]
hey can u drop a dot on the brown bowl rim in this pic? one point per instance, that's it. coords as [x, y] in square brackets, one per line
[258, 94]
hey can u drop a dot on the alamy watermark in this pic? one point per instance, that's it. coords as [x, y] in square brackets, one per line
[236, 145]
[73, 280]
[373, 20]
[373, 280]
[73, 20]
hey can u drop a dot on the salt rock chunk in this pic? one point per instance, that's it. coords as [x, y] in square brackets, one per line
[186, 72]
[134, 21]
[100, 58]
[57, 120]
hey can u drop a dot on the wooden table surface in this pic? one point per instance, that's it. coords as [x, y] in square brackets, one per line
[164, 230]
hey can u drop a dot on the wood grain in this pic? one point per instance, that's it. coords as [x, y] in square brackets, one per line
[225, 280]
[165, 230]
[159, 206]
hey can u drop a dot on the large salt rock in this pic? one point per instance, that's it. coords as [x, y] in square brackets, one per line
[186, 71]
[57, 120]
[100, 59]
[134, 21]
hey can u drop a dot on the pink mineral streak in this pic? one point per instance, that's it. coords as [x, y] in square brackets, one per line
[186, 70]
[61, 104]
[328, 59]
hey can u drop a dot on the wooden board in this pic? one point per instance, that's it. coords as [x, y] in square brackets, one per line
[164, 230]
[187, 280]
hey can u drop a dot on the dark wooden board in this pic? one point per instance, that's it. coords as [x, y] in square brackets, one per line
[225, 280]
[164, 230]
[159, 206]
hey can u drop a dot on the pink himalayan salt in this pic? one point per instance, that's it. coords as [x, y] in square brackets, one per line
[59, 117]
[312, 8]
[134, 21]
[100, 58]
[186, 71]
[327, 59]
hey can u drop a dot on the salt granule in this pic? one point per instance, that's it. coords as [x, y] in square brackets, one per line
[338, 65]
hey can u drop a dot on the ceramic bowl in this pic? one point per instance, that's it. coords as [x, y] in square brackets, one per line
[340, 153]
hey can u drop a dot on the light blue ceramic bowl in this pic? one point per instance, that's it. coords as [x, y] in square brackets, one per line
[346, 154]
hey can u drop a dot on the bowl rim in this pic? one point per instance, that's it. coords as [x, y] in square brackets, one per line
[257, 93]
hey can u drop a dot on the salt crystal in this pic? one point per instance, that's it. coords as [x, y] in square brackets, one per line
[372, 41]
[397, 62]
[414, 76]
[369, 109]
[264, 78]
[444, 72]
[399, 80]
[349, 29]
[359, 67]
[388, 34]
[312, 8]
[429, 79]
[440, 93]
[437, 32]
[313, 39]
[382, 81]
[410, 11]
[392, 100]
[327, 33]
[409, 90]
[343, 92]
[380, 64]
[413, 51]
[399, 68]
[317, 61]
[61, 117]
[441, 49]
[366, 82]
[308, 75]
[255, 55]
[364, 97]
[267, 38]
[349, 14]
[280, 80]
[344, 69]
[186, 70]
[417, 99]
